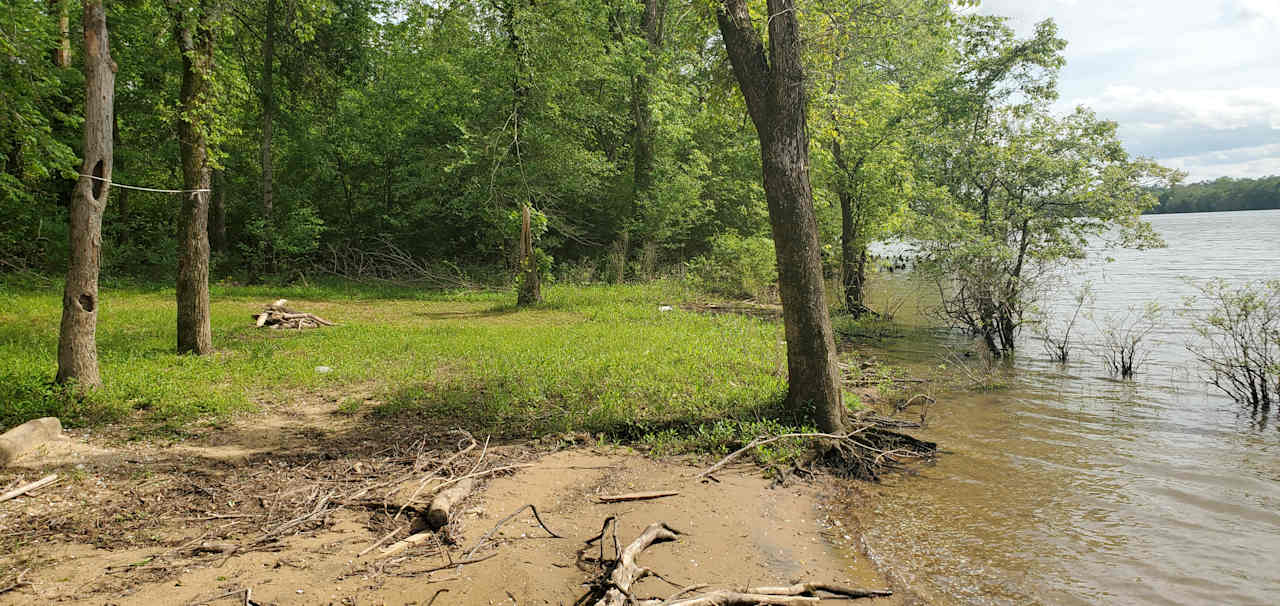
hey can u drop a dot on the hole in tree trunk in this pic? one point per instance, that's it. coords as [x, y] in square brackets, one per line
[97, 185]
[86, 302]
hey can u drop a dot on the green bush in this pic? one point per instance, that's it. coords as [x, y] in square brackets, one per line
[738, 267]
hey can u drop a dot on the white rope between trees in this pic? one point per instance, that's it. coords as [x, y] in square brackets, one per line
[135, 187]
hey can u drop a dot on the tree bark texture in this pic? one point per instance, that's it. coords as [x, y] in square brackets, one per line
[77, 343]
[268, 108]
[530, 281]
[62, 53]
[195, 39]
[853, 251]
[773, 86]
[642, 112]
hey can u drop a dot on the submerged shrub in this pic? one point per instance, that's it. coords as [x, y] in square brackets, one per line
[1239, 339]
[1122, 340]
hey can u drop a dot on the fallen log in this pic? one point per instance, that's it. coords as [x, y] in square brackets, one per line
[438, 513]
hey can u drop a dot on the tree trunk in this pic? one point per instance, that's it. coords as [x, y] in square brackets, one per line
[853, 250]
[853, 258]
[642, 112]
[218, 213]
[62, 53]
[77, 344]
[268, 108]
[195, 40]
[530, 281]
[774, 89]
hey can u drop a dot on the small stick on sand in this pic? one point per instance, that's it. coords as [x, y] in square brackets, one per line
[21, 490]
[636, 496]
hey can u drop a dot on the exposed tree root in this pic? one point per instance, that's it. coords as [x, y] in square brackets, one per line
[866, 451]
[869, 454]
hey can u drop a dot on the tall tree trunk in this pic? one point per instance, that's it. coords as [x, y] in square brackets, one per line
[642, 141]
[268, 108]
[774, 89]
[642, 112]
[852, 256]
[77, 343]
[527, 267]
[853, 251]
[62, 53]
[195, 40]
[218, 213]
[530, 282]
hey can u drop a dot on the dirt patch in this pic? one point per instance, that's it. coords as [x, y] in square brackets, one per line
[292, 505]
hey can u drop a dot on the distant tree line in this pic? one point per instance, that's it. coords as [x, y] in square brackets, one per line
[1221, 194]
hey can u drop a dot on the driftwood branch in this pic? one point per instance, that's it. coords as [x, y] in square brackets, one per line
[636, 496]
[276, 315]
[25, 488]
[625, 572]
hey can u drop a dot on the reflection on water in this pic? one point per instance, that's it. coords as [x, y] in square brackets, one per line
[1074, 488]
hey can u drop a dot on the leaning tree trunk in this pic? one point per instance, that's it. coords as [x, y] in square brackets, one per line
[774, 89]
[530, 281]
[77, 345]
[195, 40]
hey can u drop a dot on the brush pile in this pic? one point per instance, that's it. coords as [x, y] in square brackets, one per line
[277, 316]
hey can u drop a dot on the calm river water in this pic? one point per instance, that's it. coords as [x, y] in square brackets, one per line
[1075, 488]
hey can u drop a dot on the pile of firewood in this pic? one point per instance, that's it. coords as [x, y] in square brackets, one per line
[276, 315]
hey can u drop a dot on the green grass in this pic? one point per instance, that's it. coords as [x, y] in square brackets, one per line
[596, 359]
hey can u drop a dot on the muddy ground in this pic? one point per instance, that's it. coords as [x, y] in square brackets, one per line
[301, 505]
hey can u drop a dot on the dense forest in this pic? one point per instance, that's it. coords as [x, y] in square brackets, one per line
[412, 140]
[1221, 194]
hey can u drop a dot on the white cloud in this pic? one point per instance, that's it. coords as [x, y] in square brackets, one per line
[1214, 109]
[1185, 79]
[1252, 162]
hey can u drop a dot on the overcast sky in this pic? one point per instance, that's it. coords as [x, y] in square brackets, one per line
[1194, 84]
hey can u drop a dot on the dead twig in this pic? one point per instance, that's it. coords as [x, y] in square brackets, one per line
[379, 542]
[245, 593]
[453, 564]
[495, 528]
[636, 496]
[435, 595]
[17, 582]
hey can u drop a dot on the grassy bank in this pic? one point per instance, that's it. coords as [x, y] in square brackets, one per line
[597, 359]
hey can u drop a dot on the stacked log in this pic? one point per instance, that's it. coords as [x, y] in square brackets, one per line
[277, 316]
